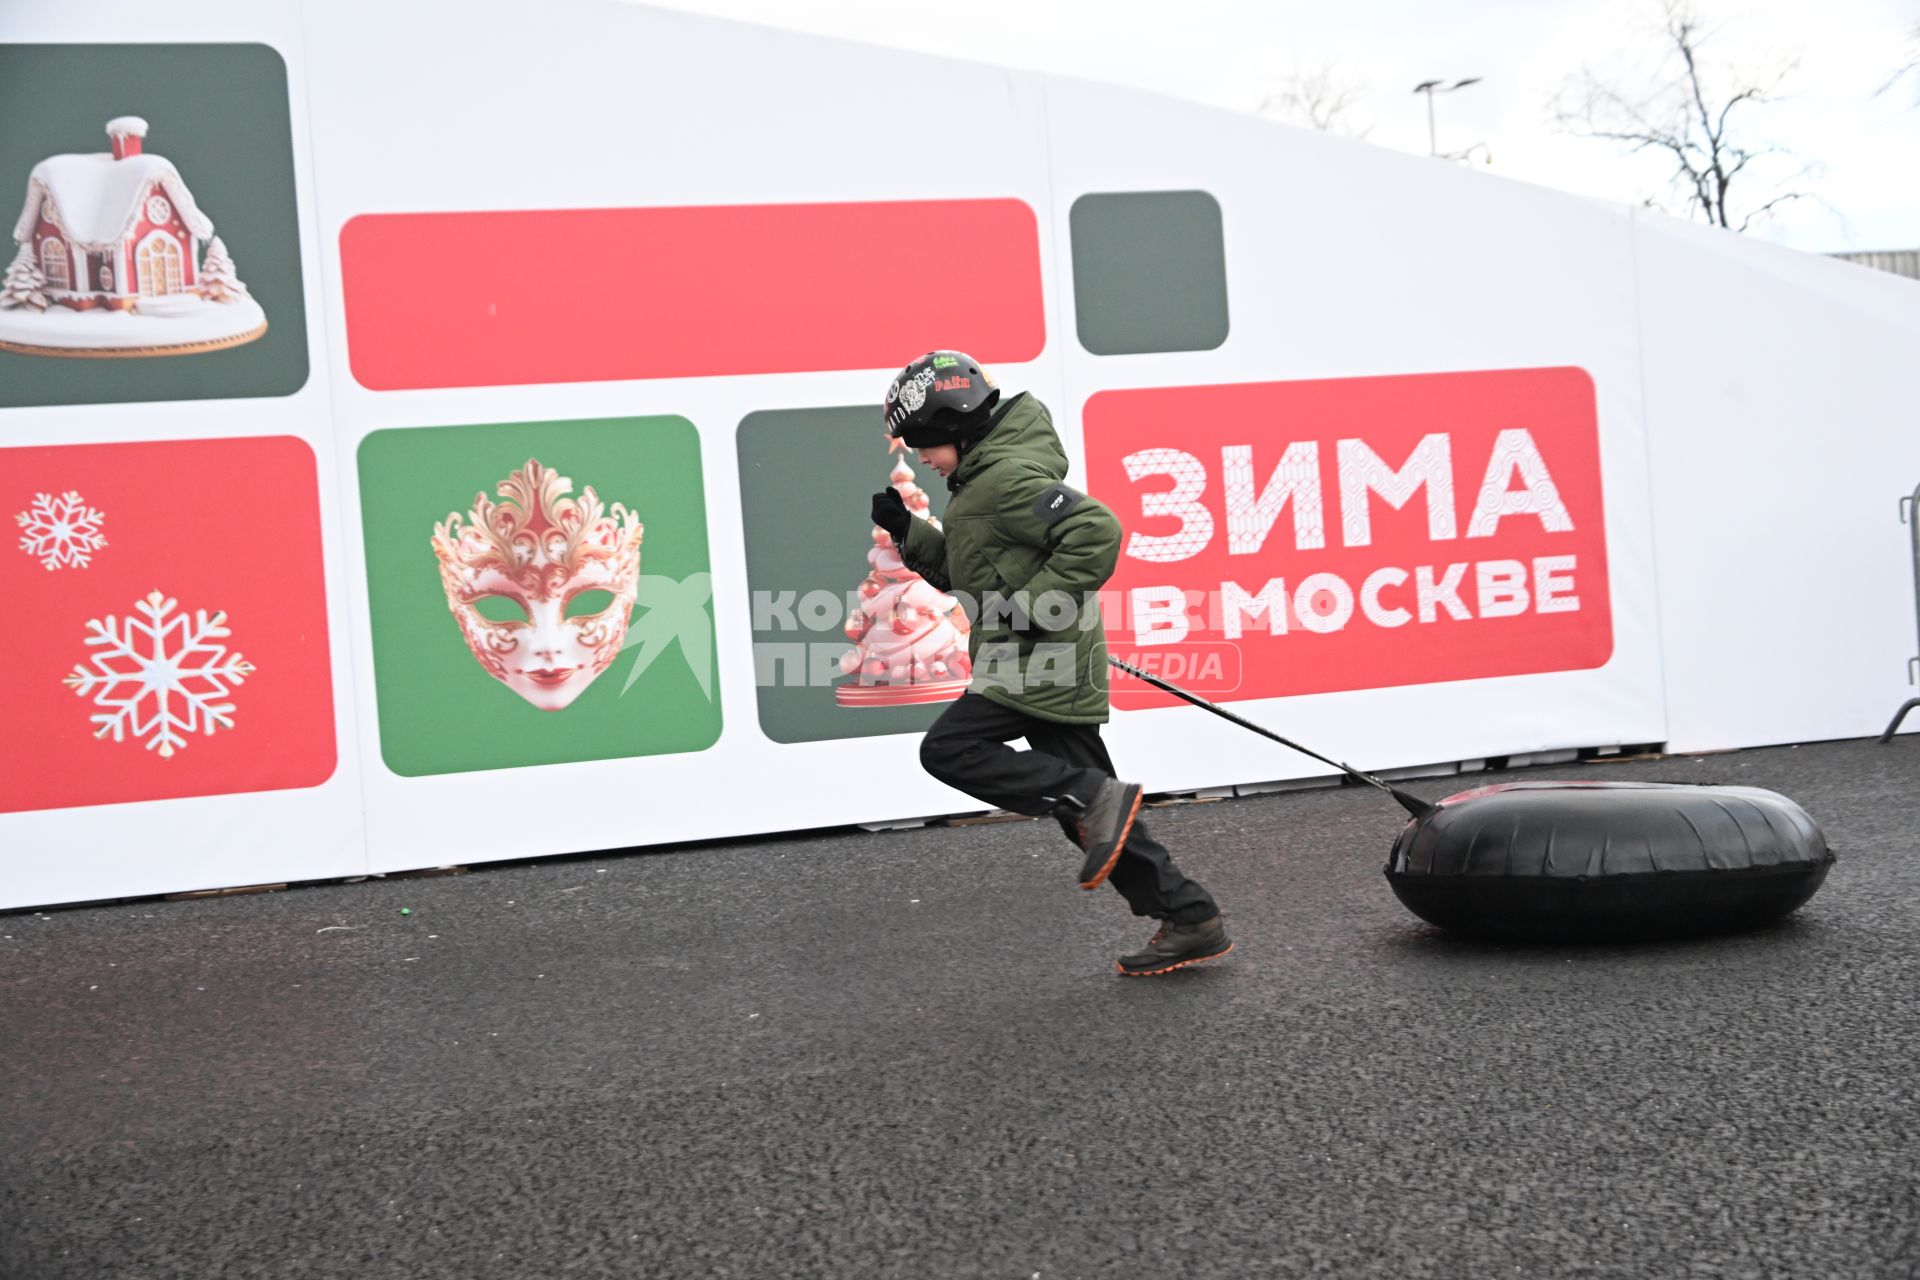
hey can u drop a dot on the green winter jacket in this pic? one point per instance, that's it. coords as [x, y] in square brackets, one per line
[1027, 555]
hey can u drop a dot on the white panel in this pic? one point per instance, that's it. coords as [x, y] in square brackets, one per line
[594, 105]
[69, 855]
[1348, 260]
[1781, 394]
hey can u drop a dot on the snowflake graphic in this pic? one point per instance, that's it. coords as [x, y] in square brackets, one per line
[172, 688]
[61, 531]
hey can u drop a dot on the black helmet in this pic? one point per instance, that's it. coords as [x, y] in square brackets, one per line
[941, 398]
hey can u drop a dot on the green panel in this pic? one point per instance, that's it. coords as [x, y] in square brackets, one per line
[219, 113]
[807, 479]
[440, 711]
[1149, 272]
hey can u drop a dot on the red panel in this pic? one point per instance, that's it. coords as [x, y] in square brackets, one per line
[597, 295]
[217, 527]
[1533, 430]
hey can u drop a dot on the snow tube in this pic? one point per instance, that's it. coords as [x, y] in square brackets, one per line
[1599, 861]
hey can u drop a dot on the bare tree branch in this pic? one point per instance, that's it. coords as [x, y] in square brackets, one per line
[1319, 97]
[1909, 67]
[1761, 212]
[1685, 114]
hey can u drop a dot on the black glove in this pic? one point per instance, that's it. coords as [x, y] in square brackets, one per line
[890, 513]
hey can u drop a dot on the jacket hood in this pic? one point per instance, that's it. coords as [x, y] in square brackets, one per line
[1024, 433]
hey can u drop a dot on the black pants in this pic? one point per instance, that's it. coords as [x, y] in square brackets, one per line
[967, 749]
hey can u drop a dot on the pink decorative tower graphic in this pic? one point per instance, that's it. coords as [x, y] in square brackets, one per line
[910, 639]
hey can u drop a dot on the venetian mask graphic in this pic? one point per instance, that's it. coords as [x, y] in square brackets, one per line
[541, 583]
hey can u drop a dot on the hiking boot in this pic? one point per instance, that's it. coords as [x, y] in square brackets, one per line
[1101, 828]
[1176, 946]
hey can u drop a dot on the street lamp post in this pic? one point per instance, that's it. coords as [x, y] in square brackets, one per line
[1431, 87]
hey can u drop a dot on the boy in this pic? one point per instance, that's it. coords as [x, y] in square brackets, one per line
[1031, 554]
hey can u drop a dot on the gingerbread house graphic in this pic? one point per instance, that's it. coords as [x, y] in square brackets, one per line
[110, 260]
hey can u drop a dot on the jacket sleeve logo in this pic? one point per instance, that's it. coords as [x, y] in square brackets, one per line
[1056, 502]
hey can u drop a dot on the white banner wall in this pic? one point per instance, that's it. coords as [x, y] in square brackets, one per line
[1781, 394]
[1429, 465]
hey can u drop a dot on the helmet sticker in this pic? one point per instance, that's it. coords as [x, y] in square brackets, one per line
[910, 392]
[913, 392]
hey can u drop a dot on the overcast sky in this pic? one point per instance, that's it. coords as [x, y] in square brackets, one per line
[1235, 53]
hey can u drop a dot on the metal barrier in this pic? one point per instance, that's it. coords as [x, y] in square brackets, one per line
[1910, 516]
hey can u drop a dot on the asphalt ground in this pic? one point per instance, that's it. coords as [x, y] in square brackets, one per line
[906, 1054]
